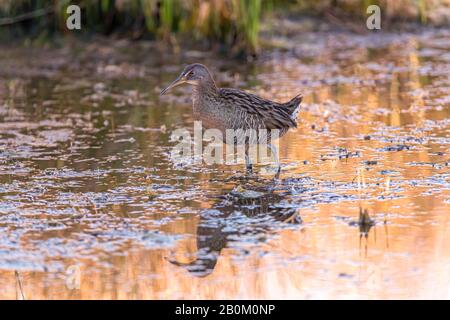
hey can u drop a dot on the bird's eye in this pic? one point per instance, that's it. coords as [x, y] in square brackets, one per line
[189, 74]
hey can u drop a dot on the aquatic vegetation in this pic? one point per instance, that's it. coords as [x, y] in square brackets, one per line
[232, 23]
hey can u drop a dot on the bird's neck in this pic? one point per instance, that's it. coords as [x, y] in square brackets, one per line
[206, 89]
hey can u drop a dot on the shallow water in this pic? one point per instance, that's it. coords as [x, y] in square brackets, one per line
[87, 187]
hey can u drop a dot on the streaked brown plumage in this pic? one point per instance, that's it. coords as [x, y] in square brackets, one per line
[225, 108]
[259, 112]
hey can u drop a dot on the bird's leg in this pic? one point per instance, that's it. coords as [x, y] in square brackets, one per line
[248, 163]
[274, 151]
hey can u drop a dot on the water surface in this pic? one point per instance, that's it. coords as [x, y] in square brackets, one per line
[361, 209]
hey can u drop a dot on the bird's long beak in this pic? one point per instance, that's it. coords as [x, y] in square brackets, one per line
[180, 80]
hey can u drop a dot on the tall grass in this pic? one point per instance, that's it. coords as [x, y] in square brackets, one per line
[233, 23]
[248, 21]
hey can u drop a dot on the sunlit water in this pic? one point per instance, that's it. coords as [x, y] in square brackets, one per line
[362, 209]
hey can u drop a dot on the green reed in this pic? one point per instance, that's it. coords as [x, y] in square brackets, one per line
[233, 23]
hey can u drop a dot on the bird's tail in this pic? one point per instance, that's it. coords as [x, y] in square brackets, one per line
[293, 106]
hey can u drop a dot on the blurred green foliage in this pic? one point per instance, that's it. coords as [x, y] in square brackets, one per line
[232, 23]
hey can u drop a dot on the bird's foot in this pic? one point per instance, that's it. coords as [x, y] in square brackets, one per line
[277, 174]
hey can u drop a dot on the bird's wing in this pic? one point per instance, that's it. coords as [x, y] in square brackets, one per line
[272, 114]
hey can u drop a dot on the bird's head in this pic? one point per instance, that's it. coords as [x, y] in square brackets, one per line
[195, 74]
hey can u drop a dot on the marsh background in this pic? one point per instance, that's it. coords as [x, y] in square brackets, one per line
[222, 23]
[87, 185]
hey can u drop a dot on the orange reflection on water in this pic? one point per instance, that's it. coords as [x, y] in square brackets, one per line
[323, 259]
[346, 129]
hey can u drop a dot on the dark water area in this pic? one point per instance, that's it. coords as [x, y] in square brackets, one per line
[361, 209]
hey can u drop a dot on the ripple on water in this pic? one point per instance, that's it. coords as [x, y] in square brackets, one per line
[86, 172]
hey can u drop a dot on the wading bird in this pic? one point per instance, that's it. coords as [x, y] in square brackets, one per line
[225, 108]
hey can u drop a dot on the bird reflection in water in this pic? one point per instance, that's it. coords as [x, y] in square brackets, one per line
[248, 214]
[365, 223]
